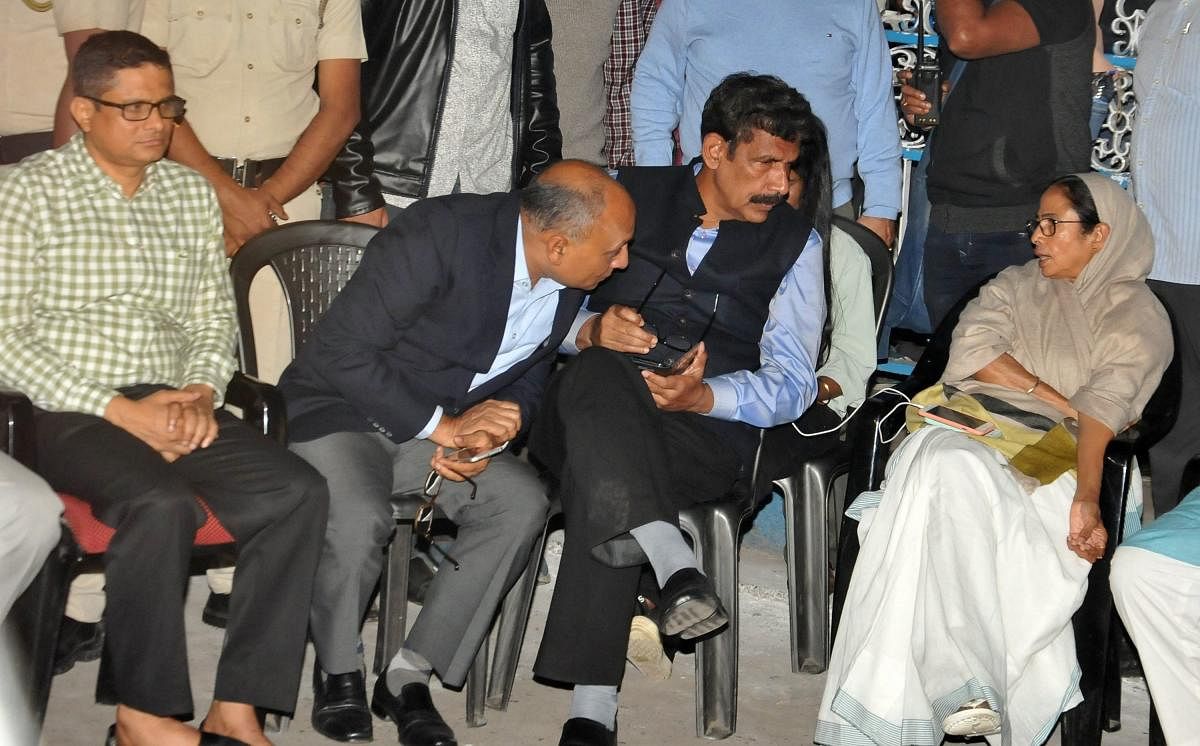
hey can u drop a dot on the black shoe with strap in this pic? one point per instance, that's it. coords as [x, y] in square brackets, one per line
[417, 720]
[340, 706]
[586, 732]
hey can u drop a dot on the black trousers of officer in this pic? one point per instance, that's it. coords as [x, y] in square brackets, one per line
[272, 503]
[620, 463]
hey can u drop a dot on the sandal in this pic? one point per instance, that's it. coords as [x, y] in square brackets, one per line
[973, 718]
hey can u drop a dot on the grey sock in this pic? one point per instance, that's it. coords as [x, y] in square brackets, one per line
[408, 667]
[598, 703]
[665, 548]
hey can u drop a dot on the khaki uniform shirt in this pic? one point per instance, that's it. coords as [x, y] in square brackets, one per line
[32, 69]
[111, 15]
[246, 67]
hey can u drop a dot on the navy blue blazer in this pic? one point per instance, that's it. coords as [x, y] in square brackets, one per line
[424, 313]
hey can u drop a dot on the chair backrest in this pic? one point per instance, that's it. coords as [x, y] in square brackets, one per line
[882, 267]
[313, 260]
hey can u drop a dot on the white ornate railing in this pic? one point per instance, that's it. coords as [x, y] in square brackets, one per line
[1110, 152]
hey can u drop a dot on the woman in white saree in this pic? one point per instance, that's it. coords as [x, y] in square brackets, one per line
[975, 553]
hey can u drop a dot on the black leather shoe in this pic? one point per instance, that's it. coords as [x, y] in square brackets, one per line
[216, 610]
[690, 607]
[77, 642]
[585, 732]
[417, 720]
[340, 706]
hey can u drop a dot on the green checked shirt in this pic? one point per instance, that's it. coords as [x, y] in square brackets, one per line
[98, 291]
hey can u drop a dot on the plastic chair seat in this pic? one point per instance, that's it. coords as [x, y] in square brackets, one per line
[93, 536]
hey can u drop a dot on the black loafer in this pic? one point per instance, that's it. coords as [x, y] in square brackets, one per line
[417, 720]
[690, 607]
[340, 706]
[77, 642]
[216, 610]
[585, 732]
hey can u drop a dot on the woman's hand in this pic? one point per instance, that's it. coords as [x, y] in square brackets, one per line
[1086, 536]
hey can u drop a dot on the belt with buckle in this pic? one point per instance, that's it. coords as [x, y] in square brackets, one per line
[249, 172]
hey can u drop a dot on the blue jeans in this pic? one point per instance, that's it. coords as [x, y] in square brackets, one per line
[956, 263]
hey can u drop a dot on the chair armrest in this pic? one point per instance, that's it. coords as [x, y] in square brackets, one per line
[868, 454]
[261, 404]
[16, 435]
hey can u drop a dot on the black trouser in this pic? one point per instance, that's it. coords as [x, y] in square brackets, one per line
[1169, 456]
[270, 501]
[620, 463]
[956, 263]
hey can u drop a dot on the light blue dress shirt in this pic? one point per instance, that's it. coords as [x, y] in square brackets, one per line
[785, 383]
[832, 51]
[1166, 137]
[1175, 534]
[530, 320]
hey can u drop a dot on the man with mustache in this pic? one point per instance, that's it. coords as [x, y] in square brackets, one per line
[717, 266]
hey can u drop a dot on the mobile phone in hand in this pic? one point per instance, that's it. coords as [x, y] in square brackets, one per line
[927, 78]
[470, 455]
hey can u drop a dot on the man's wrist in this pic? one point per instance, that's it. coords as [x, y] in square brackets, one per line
[583, 339]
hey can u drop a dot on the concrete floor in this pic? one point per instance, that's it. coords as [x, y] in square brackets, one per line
[775, 705]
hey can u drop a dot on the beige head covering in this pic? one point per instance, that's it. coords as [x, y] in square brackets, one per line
[1103, 340]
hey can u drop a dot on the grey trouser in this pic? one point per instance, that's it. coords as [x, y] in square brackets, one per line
[495, 533]
[29, 528]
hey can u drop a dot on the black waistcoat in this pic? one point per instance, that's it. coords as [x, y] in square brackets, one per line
[739, 276]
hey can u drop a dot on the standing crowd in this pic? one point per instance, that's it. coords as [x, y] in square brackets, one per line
[620, 265]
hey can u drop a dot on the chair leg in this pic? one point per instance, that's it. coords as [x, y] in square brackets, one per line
[1156, 732]
[794, 557]
[510, 633]
[393, 597]
[1112, 678]
[477, 688]
[36, 616]
[815, 576]
[716, 543]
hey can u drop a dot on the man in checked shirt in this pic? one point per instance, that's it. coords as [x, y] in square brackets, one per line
[117, 320]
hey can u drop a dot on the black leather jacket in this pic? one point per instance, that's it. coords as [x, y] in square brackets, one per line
[410, 43]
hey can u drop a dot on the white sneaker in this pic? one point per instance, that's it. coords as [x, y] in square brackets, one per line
[645, 650]
[974, 718]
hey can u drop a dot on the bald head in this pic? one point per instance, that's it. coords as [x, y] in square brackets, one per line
[570, 196]
[580, 221]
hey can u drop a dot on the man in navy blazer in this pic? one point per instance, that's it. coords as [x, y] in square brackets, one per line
[443, 339]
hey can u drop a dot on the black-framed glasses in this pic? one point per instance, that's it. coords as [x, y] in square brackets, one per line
[171, 107]
[1048, 226]
[677, 342]
[423, 520]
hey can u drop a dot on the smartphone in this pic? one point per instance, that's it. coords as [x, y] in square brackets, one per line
[957, 420]
[471, 456]
[927, 78]
[666, 365]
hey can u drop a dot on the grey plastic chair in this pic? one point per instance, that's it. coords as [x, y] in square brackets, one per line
[808, 492]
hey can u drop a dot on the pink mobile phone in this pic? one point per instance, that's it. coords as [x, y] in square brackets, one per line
[957, 420]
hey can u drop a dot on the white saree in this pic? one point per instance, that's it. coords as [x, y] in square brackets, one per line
[964, 588]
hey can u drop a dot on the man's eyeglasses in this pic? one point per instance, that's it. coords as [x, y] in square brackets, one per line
[677, 342]
[171, 107]
[1048, 225]
[423, 520]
